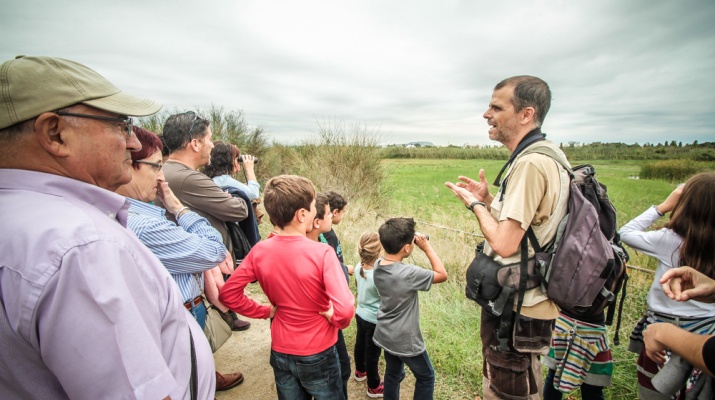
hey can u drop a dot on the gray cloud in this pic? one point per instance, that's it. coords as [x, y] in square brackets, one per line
[634, 71]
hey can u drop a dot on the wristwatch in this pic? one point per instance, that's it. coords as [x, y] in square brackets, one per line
[474, 203]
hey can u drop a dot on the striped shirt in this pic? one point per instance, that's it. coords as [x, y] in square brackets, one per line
[186, 250]
[579, 354]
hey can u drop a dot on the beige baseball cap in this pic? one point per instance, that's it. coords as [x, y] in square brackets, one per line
[30, 86]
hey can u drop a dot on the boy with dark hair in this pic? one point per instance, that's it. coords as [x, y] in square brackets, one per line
[307, 292]
[338, 206]
[398, 319]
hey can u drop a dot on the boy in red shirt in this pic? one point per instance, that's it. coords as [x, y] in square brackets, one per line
[306, 287]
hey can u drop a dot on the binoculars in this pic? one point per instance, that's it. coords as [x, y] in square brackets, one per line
[424, 234]
[255, 159]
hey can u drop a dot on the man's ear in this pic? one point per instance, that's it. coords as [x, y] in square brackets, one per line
[527, 115]
[52, 134]
[194, 145]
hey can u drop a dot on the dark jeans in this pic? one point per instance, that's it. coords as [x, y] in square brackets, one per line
[395, 372]
[344, 359]
[303, 377]
[199, 312]
[367, 354]
[588, 392]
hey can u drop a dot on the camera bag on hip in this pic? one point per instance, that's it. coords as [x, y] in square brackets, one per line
[493, 285]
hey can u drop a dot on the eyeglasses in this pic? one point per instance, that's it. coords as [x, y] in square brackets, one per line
[155, 166]
[128, 122]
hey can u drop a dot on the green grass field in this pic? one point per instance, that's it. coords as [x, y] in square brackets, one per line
[450, 322]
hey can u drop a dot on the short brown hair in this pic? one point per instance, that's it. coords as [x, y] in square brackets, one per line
[286, 194]
[321, 200]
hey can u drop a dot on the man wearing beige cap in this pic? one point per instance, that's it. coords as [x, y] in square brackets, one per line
[86, 311]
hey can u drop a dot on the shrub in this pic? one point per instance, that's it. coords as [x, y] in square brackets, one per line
[703, 155]
[671, 170]
[345, 160]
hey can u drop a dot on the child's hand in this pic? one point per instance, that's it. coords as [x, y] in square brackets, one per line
[328, 314]
[669, 203]
[421, 241]
[273, 311]
[655, 350]
[351, 269]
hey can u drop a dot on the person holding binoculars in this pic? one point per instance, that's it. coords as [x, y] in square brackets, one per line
[226, 160]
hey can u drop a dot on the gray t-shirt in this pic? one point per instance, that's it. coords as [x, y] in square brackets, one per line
[398, 319]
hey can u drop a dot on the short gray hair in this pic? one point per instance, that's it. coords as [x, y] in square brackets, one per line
[529, 91]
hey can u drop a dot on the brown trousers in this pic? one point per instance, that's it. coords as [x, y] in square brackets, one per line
[514, 374]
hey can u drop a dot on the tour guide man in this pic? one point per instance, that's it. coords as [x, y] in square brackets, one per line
[86, 310]
[536, 196]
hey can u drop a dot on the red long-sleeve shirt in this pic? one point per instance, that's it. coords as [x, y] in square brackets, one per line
[302, 278]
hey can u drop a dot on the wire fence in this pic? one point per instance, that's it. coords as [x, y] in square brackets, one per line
[479, 235]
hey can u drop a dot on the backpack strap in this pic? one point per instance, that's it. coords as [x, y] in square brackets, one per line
[532, 137]
[522, 278]
[616, 340]
[508, 316]
[553, 154]
[193, 379]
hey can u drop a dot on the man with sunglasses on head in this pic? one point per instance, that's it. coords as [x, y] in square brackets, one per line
[86, 310]
[188, 139]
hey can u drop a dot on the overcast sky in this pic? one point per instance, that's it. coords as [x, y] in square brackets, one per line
[620, 71]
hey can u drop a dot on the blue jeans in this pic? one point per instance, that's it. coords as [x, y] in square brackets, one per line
[199, 312]
[303, 377]
[588, 392]
[421, 368]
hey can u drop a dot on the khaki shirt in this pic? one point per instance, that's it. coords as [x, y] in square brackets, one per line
[536, 195]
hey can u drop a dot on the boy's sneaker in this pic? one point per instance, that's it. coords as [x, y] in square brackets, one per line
[360, 376]
[377, 392]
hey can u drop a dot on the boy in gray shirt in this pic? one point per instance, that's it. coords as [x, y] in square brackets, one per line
[398, 319]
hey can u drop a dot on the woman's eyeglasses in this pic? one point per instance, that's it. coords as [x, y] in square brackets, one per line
[155, 166]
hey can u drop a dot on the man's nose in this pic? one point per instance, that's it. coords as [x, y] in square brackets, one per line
[133, 143]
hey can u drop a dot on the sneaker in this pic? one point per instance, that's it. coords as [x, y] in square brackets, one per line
[360, 376]
[377, 392]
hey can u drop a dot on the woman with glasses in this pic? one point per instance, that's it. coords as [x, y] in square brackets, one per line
[225, 163]
[188, 247]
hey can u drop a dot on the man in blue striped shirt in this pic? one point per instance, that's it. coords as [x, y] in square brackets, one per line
[186, 250]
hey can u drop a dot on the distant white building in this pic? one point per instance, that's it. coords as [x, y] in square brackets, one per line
[419, 144]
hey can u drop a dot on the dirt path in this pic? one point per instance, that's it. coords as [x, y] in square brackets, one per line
[248, 352]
